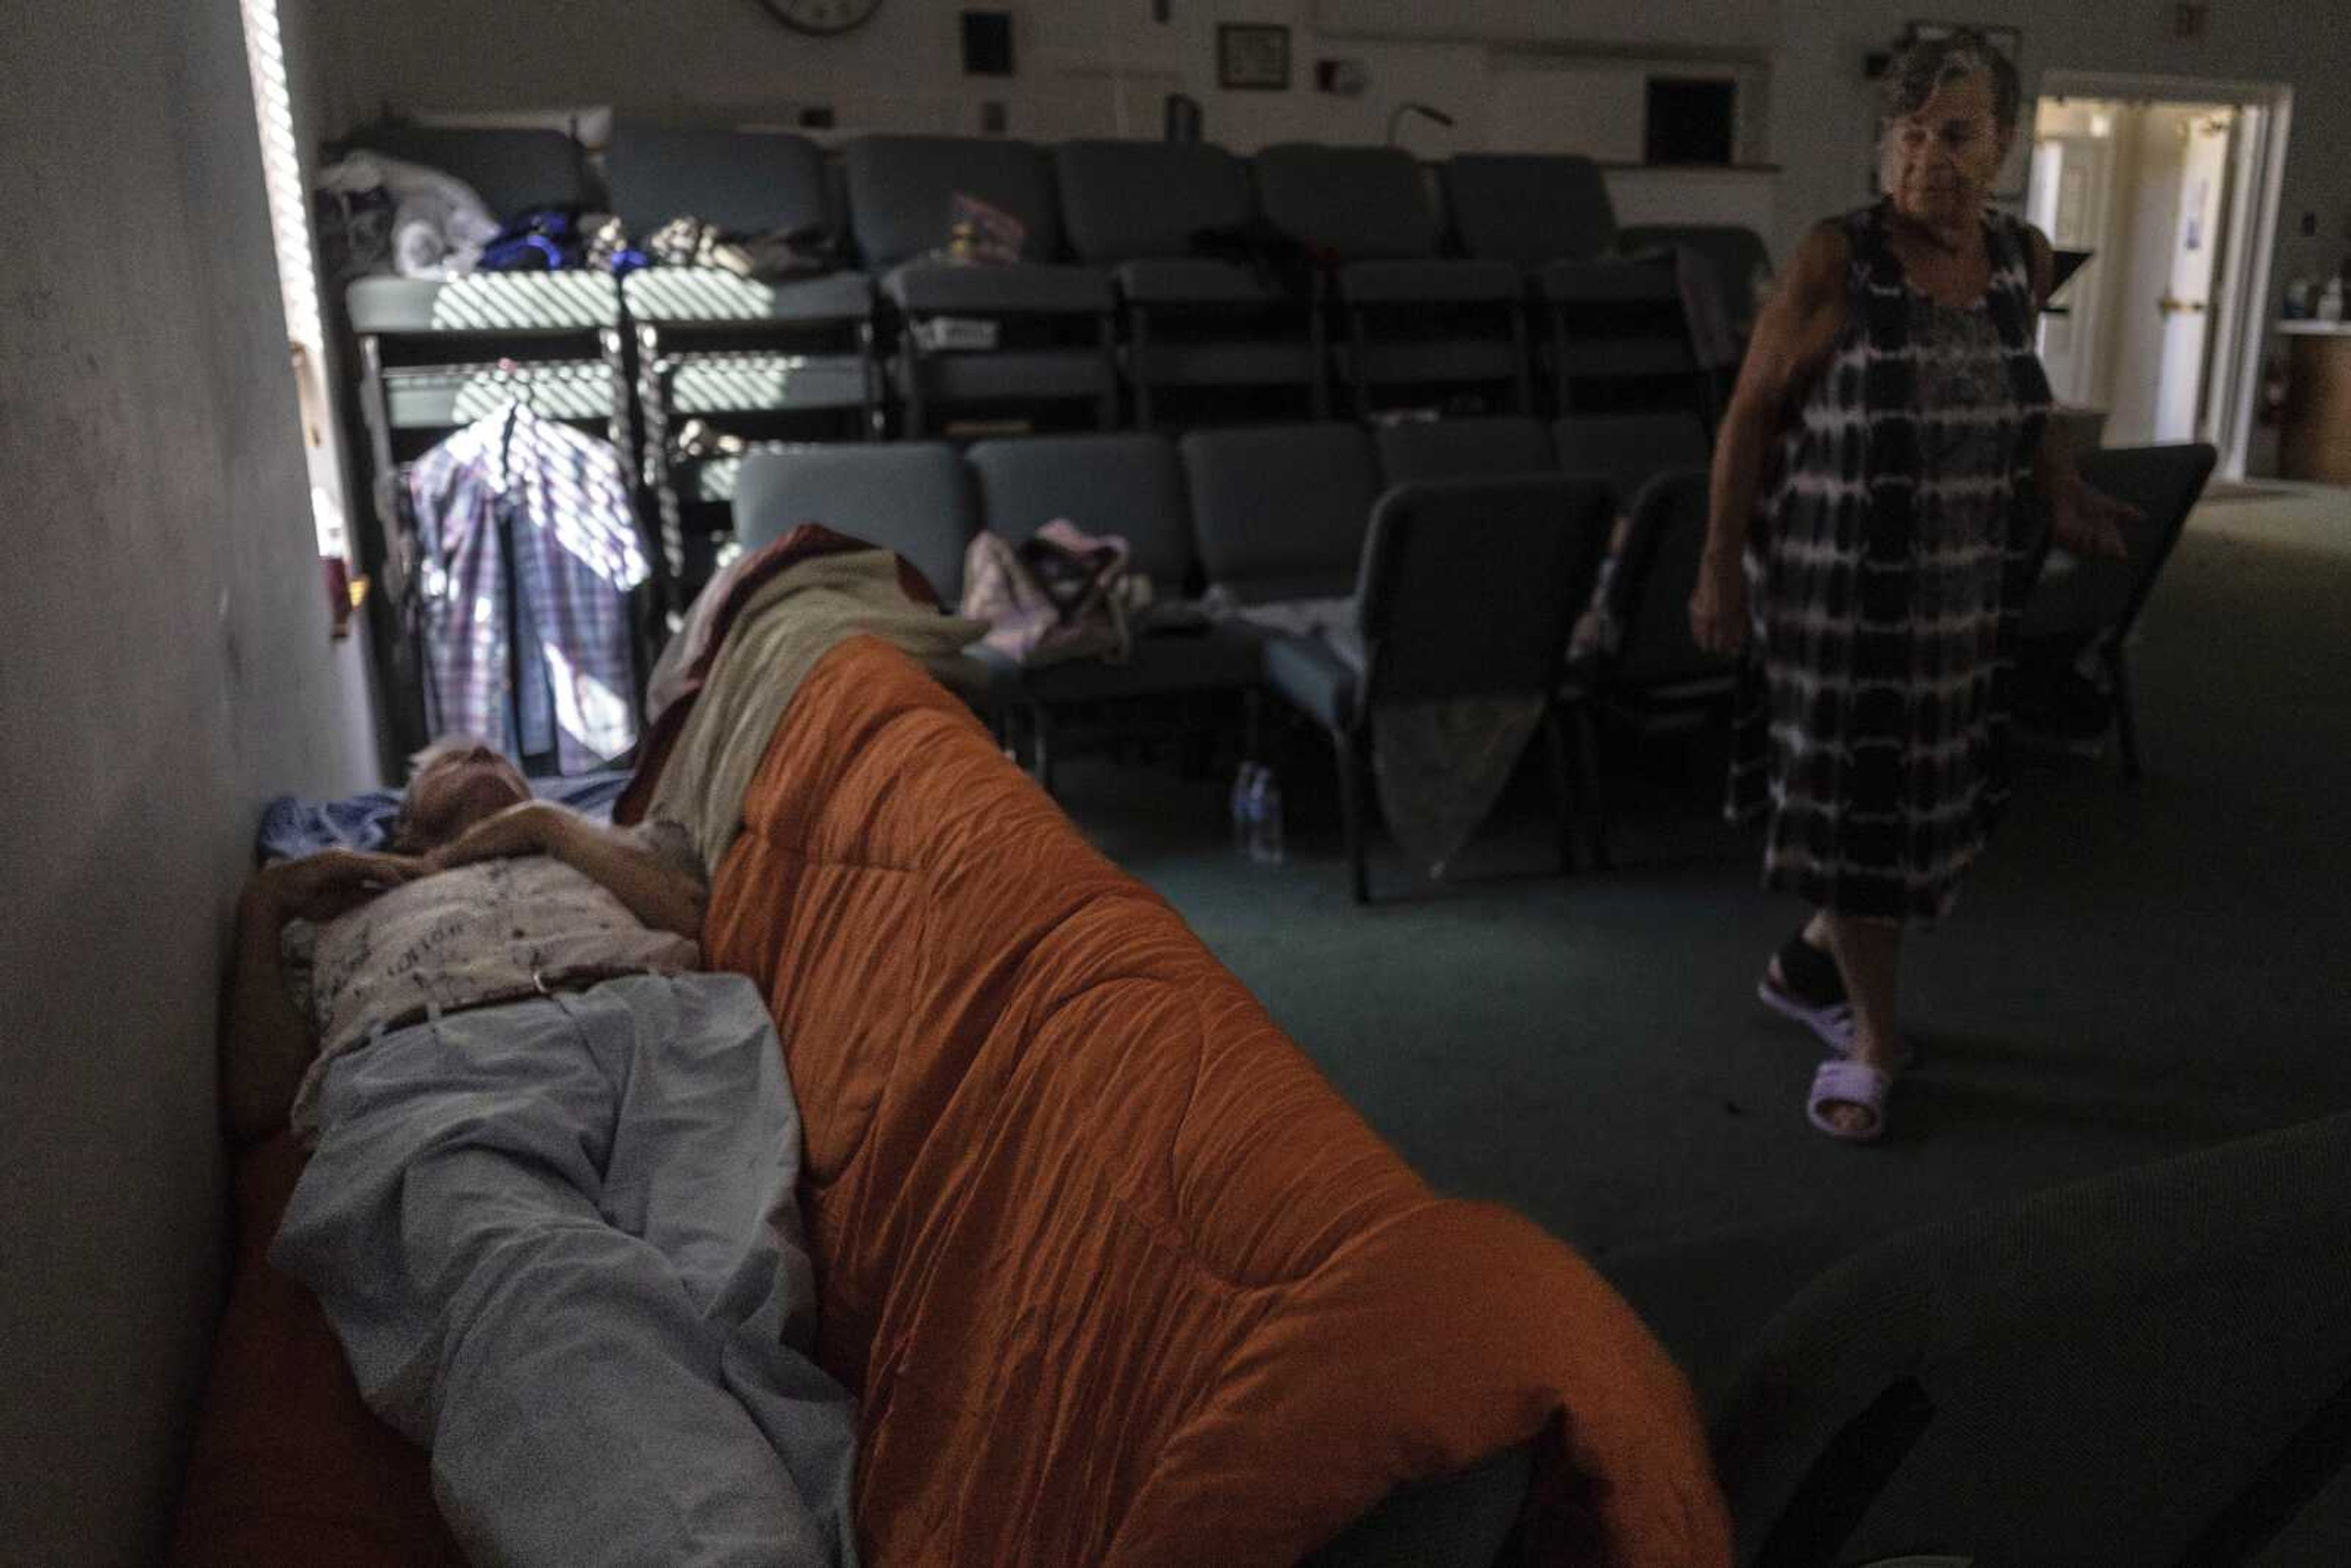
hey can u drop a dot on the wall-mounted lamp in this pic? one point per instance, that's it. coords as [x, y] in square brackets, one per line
[1395, 116]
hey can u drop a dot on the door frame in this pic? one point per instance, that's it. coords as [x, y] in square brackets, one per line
[2241, 330]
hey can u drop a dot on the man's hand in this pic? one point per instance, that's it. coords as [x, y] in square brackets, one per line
[319, 887]
[2089, 522]
[529, 828]
[1718, 606]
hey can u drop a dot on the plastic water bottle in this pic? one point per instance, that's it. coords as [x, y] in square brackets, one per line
[1244, 833]
[1265, 819]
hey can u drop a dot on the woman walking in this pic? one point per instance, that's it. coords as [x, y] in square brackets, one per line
[1877, 498]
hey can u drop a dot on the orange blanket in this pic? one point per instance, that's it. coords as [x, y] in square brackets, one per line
[1115, 1274]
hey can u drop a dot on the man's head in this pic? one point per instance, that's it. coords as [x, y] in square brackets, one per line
[453, 783]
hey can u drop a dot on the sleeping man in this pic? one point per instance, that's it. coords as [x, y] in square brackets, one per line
[549, 1209]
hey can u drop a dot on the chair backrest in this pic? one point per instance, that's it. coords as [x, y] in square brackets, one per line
[1280, 510]
[2144, 1367]
[1528, 207]
[1128, 200]
[1621, 335]
[1737, 255]
[1629, 450]
[911, 496]
[1464, 448]
[1362, 203]
[512, 171]
[1656, 568]
[743, 181]
[1127, 484]
[902, 192]
[1469, 586]
[2165, 483]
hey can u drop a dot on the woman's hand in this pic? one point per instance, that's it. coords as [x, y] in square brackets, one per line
[1718, 606]
[319, 887]
[2089, 522]
[529, 828]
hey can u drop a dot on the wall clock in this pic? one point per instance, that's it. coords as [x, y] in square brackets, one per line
[821, 17]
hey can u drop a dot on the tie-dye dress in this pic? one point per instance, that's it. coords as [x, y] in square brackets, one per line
[1888, 561]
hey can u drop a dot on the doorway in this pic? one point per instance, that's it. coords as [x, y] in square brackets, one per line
[2171, 186]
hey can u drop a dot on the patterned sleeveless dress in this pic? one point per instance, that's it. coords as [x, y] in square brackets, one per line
[1886, 567]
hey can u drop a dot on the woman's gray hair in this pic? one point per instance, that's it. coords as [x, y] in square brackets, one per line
[1922, 65]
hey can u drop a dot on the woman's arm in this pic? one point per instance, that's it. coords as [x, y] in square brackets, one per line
[657, 889]
[1793, 335]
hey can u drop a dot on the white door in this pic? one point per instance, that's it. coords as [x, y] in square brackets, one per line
[2072, 178]
[2185, 303]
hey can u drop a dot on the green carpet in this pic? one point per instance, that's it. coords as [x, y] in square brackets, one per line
[2131, 973]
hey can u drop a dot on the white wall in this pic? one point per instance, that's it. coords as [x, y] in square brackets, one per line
[901, 71]
[168, 666]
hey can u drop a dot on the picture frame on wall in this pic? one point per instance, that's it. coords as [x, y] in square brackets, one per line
[1253, 57]
[2010, 42]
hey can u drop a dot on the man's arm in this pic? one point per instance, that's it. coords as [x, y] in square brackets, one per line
[657, 889]
[266, 1042]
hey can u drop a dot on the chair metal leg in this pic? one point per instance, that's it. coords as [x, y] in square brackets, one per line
[917, 405]
[2126, 720]
[1106, 407]
[1352, 773]
[1521, 354]
[1040, 748]
[1359, 372]
[1318, 340]
[1587, 747]
[874, 419]
[1563, 791]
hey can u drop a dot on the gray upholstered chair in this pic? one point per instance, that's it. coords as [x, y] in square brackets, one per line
[1618, 337]
[1655, 679]
[1421, 326]
[1468, 587]
[1131, 485]
[1658, 669]
[2148, 1366]
[1195, 322]
[1464, 448]
[1628, 450]
[1529, 209]
[512, 171]
[911, 496]
[758, 359]
[1735, 254]
[1280, 510]
[2092, 607]
[1049, 324]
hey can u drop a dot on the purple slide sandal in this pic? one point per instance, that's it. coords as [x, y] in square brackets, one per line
[1840, 1080]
